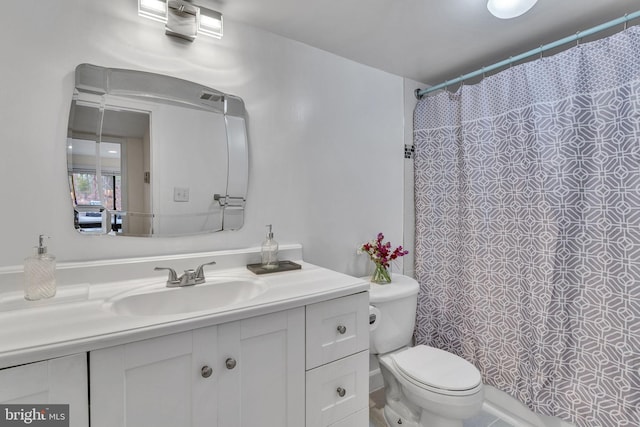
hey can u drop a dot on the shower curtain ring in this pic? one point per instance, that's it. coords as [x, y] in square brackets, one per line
[577, 38]
[541, 51]
[626, 21]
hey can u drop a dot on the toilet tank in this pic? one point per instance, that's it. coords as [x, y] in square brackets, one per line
[394, 307]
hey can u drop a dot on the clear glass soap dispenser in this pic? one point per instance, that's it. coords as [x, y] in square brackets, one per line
[39, 273]
[269, 251]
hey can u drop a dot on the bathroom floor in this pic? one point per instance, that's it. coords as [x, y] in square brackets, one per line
[376, 402]
[376, 417]
[484, 419]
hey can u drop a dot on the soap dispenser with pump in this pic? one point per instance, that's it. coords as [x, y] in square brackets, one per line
[269, 251]
[39, 273]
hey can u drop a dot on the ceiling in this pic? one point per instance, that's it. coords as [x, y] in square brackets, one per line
[426, 40]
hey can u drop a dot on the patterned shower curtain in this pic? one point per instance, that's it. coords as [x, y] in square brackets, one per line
[527, 191]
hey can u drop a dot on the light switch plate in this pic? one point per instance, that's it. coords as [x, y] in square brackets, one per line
[180, 194]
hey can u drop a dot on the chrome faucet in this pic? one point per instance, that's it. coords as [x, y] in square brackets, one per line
[189, 278]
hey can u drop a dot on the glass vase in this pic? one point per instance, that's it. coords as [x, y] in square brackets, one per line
[381, 275]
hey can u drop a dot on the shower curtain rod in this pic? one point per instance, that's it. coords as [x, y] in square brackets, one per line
[419, 93]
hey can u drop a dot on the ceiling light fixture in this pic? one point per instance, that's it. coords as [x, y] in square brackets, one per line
[183, 18]
[507, 9]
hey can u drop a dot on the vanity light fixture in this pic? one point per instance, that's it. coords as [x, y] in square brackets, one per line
[507, 9]
[210, 23]
[183, 18]
[153, 9]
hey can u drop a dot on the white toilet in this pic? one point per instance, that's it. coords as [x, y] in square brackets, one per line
[424, 386]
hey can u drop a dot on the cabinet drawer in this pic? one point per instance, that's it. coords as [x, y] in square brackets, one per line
[337, 328]
[338, 390]
[359, 419]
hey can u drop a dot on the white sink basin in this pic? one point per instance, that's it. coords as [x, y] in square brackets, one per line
[214, 293]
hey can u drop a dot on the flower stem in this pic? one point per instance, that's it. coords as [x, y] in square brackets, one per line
[381, 274]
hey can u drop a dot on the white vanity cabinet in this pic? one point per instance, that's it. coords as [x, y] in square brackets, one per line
[337, 362]
[56, 381]
[288, 349]
[306, 366]
[245, 373]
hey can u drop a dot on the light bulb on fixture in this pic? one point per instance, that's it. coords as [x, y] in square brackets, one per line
[507, 9]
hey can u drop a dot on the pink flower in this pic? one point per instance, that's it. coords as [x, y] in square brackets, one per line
[381, 253]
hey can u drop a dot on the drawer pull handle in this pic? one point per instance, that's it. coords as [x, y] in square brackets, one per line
[341, 391]
[206, 371]
[342, 329]
[230, 363]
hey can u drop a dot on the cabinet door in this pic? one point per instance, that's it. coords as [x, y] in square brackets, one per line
[157, 382]
[266, 387]
[58, 381]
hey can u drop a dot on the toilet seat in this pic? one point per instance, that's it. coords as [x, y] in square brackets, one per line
[437, 370]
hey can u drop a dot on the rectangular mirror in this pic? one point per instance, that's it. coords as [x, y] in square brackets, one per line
[153, 155]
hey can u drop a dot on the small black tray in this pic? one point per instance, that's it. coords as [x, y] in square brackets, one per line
[282, 266]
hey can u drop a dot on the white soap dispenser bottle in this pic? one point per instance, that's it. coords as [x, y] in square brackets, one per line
[269, 251]
[40, 274]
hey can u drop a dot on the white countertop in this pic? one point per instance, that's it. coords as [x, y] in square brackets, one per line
[79, 319]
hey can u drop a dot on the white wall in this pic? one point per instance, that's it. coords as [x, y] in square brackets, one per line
[410, 102]
[325, 133]
[187, 162]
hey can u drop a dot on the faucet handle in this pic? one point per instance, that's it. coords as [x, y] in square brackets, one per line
[200, 271]
[173, 277]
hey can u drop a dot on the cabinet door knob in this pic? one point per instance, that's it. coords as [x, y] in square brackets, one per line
[206, 371]
[341, 391]
[230, 363]
[342, 329]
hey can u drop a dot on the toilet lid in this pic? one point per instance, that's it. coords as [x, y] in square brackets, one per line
[437, 368]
